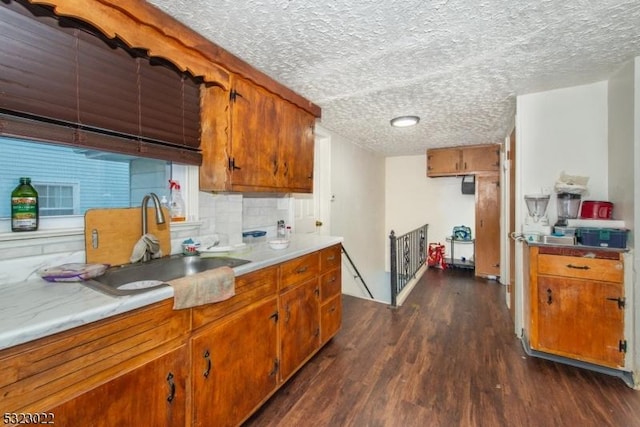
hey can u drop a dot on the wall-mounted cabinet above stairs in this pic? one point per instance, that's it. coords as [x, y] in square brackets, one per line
[466, 160]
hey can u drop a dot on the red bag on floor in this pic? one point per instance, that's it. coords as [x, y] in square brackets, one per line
[436, 256]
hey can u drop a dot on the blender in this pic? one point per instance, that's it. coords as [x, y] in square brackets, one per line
[568, 207]
[537, 223]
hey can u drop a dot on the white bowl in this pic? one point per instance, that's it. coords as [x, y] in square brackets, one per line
[278, 243]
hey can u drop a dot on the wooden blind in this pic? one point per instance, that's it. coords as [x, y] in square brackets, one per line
[63, 82]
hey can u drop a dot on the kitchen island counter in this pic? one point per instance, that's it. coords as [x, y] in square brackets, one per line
[36, 308]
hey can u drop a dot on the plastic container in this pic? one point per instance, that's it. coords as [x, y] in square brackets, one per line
[591, 209]
[256, 236]
[602, 237]
[24, 207]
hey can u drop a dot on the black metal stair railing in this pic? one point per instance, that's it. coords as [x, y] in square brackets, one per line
[408, 254]
[357, 276]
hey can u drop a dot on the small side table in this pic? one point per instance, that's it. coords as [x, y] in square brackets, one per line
[460, 263]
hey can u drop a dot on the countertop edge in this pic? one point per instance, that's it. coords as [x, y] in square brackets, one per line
[36, 309]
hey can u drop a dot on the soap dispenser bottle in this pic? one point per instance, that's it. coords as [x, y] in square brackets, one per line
[176, 207]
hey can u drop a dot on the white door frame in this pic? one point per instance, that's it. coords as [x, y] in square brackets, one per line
[322, 179]
[316, 205]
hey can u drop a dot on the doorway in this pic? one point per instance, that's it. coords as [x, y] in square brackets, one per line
[312, 211]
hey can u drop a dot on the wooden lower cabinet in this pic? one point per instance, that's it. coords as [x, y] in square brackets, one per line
[330, 292]
[235, 365]
[330, 318]
[211, 365]
[155, 394]
[576, 304]
[299, 326]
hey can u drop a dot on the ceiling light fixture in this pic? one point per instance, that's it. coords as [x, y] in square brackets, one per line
[405, 121]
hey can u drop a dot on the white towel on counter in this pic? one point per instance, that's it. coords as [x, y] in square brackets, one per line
[207, 287]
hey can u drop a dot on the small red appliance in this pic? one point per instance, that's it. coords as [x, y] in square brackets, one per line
[591, 209]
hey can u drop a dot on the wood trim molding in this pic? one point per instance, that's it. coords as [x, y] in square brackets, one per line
[143, 26]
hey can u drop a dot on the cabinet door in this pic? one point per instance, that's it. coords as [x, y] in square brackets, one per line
[299, 326]
[151, 395]
[296, 148]
[330, 318]
[254, 137]
[234, 365]
[580, 319]
[443, 162]
[485, 158]
[487, 249]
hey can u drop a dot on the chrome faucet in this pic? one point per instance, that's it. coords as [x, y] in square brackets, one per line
[159, 217]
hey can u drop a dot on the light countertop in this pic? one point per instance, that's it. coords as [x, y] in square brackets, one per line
[36, 308]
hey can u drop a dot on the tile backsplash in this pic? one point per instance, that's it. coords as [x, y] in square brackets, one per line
[225, 215]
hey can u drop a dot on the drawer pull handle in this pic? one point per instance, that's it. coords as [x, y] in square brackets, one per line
[301, 270]
[621, 302]
[172, 388]
[208, 359]
[578, 267]
[331, 258]
[549, 296]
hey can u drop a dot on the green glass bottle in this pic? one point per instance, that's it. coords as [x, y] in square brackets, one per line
[24, 207]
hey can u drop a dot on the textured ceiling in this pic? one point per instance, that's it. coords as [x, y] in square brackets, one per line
[458, 64]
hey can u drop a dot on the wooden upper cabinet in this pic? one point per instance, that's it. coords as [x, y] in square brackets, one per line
[253, 158]
[255, 141]
[296, 144]
[467, 160]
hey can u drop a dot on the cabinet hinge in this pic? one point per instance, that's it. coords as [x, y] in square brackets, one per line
[232, 164]
[622, 346]
[621, 302]
[233, 95]
[275, 316]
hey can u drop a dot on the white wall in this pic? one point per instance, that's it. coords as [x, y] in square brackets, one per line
[559, 130]
[413, 199]
[624, 154]
[621, 143]
[357, 214]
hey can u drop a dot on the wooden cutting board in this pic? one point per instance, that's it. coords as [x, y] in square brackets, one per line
[110, 234]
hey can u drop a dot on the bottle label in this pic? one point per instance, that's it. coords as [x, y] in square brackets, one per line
[24, 213]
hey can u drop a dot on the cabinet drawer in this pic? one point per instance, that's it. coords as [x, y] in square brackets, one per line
[40, 374]
[250, 288]
[299, 270]
[330, 284]
[330, 318]
[607, 270]
[330, 258]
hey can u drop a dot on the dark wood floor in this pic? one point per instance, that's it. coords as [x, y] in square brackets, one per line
[448, 357]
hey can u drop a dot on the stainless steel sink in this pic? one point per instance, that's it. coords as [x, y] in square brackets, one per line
[133, 279]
